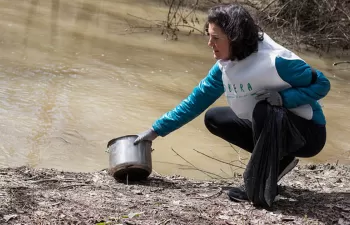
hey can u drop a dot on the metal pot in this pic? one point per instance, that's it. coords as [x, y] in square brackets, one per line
[128, 161]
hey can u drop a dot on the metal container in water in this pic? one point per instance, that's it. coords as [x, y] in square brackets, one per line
[128, 161]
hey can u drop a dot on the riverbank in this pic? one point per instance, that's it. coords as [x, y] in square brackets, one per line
[310, 194]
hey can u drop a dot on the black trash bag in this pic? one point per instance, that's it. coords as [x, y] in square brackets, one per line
[278, 138]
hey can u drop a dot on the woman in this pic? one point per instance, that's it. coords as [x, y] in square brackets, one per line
[253, 71]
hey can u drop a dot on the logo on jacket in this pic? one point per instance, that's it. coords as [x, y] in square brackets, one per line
[240, 90]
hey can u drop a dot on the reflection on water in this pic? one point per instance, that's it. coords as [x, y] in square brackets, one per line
[73, 77]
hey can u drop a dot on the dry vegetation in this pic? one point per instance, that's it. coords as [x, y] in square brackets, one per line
[323, 24]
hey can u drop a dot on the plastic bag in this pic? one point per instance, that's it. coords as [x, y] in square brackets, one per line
[278, 138]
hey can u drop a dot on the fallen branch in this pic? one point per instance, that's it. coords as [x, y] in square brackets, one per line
[192, 164]
[218, 160]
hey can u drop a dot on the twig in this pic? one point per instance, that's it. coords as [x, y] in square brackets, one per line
[54, 180]
[54, 204]
[63, 139]
[31, 178]
[225, 172]
[156, 173]
[239, 157]
[137, 17]
[341, 10]
[186, 167]
[268, 5]
[191, 163]
[169, 12]
[212, 195]
[341, 62]
[74, 185]
[218, 159]
[164, 222]
[234, 148]
[282, 8]
[189, 26]
[193, 9]
[239, 160]
[203, 172]
[176, 164]
[319, 184]
[311, 170]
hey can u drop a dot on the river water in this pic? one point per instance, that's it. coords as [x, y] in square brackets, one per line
[75, 74]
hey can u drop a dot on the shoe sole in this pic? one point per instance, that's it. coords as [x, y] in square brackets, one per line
[237, 199]
[288, 169]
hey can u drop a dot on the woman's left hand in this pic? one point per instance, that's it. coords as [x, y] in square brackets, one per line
[272, 97]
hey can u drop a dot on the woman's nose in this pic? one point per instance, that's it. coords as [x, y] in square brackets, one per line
[210, 42]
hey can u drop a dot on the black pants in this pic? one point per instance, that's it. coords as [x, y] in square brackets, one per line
[222, 122]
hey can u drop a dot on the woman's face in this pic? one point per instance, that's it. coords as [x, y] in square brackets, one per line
[219, 42]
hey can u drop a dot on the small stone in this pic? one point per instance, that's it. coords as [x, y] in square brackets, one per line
[341, 221]
[176, 202]
[137, 192]
[224, 217]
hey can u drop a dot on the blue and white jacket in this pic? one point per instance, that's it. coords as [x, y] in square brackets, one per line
[272, 67]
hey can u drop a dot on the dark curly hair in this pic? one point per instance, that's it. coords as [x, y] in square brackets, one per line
[240, 28]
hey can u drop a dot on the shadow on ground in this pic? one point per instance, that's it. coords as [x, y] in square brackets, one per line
[330, 208]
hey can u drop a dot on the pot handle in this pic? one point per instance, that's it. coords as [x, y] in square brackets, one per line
[107, 150]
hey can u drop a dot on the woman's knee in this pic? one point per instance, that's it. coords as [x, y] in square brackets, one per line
[315, 142]
[216, 118]
[210, 119]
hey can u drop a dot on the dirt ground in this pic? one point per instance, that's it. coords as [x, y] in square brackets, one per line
[310, 194]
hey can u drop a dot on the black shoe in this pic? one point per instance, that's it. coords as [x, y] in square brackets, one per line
[286, 165]
[238, 194]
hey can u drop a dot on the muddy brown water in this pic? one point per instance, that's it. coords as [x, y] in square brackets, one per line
[74, 75]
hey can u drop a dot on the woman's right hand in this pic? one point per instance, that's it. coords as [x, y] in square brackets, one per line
[148, 135]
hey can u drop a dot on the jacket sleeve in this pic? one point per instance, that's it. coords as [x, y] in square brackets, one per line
[299, 75]
[206, 93]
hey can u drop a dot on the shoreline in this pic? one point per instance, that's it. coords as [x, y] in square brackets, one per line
[310, 194]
